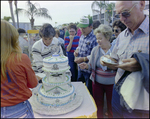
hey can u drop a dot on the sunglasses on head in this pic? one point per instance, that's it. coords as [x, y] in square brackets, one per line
[115, 30]
[126, 13]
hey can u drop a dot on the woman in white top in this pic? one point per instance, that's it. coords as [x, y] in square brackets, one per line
[102, 77]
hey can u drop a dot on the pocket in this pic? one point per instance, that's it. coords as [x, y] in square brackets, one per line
[120, 52]
[23, 116]
[22, 110]
[23, 113]
[88, 49]
[121, 55]
[85, 47]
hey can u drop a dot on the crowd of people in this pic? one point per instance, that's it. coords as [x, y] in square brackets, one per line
[125, 82]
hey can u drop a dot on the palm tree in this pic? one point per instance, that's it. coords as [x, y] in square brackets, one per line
[109, 9]
[101, 5]
[76, 23]
[6, 18]
[34, 10]
[15, 2]
[11, 11]
[89, 16]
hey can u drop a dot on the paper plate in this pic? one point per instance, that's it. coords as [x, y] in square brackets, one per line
[110, 62]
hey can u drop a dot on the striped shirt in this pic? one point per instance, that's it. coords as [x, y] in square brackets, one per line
[127, 44]
[40, 51]
[86, 44]
[74, 43]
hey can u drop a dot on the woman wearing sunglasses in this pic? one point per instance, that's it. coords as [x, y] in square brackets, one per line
[118, 27]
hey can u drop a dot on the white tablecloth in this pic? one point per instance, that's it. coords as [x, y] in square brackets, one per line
[87, 107]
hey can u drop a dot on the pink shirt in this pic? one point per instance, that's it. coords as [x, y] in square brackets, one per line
[79, 33]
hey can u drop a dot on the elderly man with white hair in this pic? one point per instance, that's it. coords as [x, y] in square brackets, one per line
[130, 97]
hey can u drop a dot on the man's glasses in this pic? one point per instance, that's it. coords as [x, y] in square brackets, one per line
[125, 13]
[115, 30]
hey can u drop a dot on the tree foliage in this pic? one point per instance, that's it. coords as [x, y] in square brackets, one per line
[6, 18]
[11, 11]
[15, 3]
[34, 10]
[101, 5]
[109, 10]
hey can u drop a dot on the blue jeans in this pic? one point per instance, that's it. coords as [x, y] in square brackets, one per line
[21, 110]
[73, 66]
[85, 78]
[121, 112]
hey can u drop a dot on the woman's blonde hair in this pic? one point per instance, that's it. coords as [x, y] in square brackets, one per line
[105, 30]
[9, 45]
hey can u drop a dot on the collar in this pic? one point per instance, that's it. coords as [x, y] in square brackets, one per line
[143, 27]
[90, 34]
[107, 53]
[127, 32]
[103, 52]
[44, 46]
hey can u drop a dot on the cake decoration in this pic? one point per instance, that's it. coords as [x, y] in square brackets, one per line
[56, 93]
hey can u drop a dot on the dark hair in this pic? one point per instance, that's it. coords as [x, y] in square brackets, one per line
[96, 24]
[90, 24]
[47, 30]
[119, 24]
[112, 38]
[20, 30]
[72, 26]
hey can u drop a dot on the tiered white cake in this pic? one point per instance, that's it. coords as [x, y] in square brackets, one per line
[56, 89]
[56, 95]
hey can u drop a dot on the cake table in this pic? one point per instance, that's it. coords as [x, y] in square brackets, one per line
[87, 109]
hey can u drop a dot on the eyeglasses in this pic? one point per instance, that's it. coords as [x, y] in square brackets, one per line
[71, 31]
[116, 30]
[126, 13]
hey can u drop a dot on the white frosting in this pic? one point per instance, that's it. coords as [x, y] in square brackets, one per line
[56, 89]
[59, 80]
[55, 63]
[65, 96]
[63, 90]
[62, 69]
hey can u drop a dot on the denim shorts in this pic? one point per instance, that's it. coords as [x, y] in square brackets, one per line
[21, 110]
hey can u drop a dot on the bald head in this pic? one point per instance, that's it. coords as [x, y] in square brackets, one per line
[131, 13]
[130, 2]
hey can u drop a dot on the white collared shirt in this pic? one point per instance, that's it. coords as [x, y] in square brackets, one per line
[127, 44]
